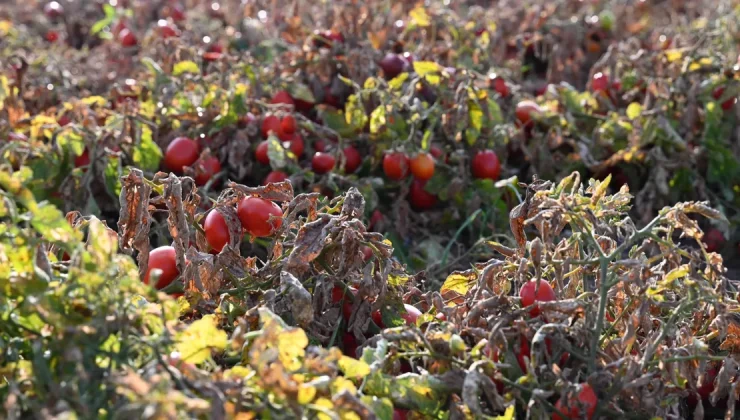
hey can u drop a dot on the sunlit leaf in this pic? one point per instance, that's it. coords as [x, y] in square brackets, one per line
[419, 16]
[634, 110]
[199, 339]
[147, 154]
[186, 66]
[353, 368]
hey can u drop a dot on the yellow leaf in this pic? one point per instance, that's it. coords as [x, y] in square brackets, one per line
[509, 414]
[397, 280]
[94, 100]
[186, 66]
[353, 368]
[291, 346]
[459, 283]
[199, 338]
[5, 27]
[349, 415]
[419, 16]
[428, 70]
[306, 394]
[325, 404]
[673, 55]
[397, 82]
[39, 125]
[677, 273]
[634, 110]
[341, 384]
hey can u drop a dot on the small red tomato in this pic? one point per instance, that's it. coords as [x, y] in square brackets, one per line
[498, 84]
[287, 125]
[275, 176]
[282, 97]
[714, 240]
[543, 294]
[582, 406]
[63, 120]
[52, 36]
[392, 65]
[411, 314]
[163, 258]
[259, 217]
[600, 82]
[525, 111]
[421, 199]
[127, 38]
[522, 353]
[352, 159]
[349, 344]
[322, 162]
[440, 316]
[486, 165]
[436, 152]
[206, 169]
[338, 294]
[53, 10]
[165, 29]
[271, 123]
[118, 27]
[215, 48]
[422, 166]
[707, 386]
[83, 159]
[296, 145]
[217, 232]
[320, 145]
[726, 105]
[261, 153]
[176, 12]
[396, 165]
[378, 318]
[399, 414]
[181, 152]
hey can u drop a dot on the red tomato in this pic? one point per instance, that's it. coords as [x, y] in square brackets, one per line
[524, 112]
[53, 10]
[322, 163]
[127, 38]
[271, 123]
[259, 217]
[165, 29]
[352, 159]
[436, 152]
[217, 232]
[378, 318]
[63, 120]
[287, 125]
[177, 12]
[600, 82]
[275, 176]
[396, 165]
[392, 65]
[714, 240]
[522, 353]
[582, 407]
[486, 165]
[399, 414]
[498, 84]
[440, 316]
[211, 56]
[181, 152]
[83, 159]
[528, 297]
[261, 153]
[215, 48]
[320, 145]
[411, 314]
[726, 105]
[421, 199]
[422, 166]
[376, 218]
[52, 36]
[118, 27]
[325, 39]
[349, 344]
[367, 253]
[282, 97]
[296, 145]
[206, 169]
[164, 259]
[707, 386]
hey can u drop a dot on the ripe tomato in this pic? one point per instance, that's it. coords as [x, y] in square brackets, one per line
[522, 353]
[726, 105]
[352, 159]
[349, 345]
[282, 97]
[271, 123]
[322, 163]
[206, 169]
[83, 159]
[259, 217]
[52, 36]
[399, 414]
[127, 38]
[165, 29]
[296, 145]
[411, 314]
[486, 165]
[707, 386]
[600, 82]
[261, 153]
[176, 12]
[287, 126]
[367, 253]
[320, 145]
[714, 240]
[217, 232]
[396, 165]
[498, 84]
[181, 152]
[164, 259]
[422, 166]
[440, 316]
[436, 152]
[582, 406]
[421, 199]
[378, 318]
[376, 218]
[275, 176]
[524, 112]
[543, 294]
[392, 65]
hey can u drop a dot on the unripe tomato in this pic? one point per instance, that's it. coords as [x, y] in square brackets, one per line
[352, 159]
[322, 162]
[217, 232]
[296, 145]
[422, 166]
[396, 165]
[259, 217]
[261, 153]
[579, 406]
[271, 123]
[83, 159]
[524, 112]
[275, 176]
[287, 125]
[486, 165]
[543, 294]
[282, 97]
[181, 152]
[419, 197]
[600, 82]
[163, 258]
[206, 169]
[411, 314]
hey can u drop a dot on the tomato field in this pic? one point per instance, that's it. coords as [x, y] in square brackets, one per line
[253, 209]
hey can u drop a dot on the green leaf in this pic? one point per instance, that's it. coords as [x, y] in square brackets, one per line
[147, 154]
[196, 342]
[100, 25]
[302, 92]
[152, 66]
[51, 224]
[336, 121]
[381, 407]
[113, 173]
[276, 152]
[634, 110]
[494, 114]
[110, 11]
[186, 66]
